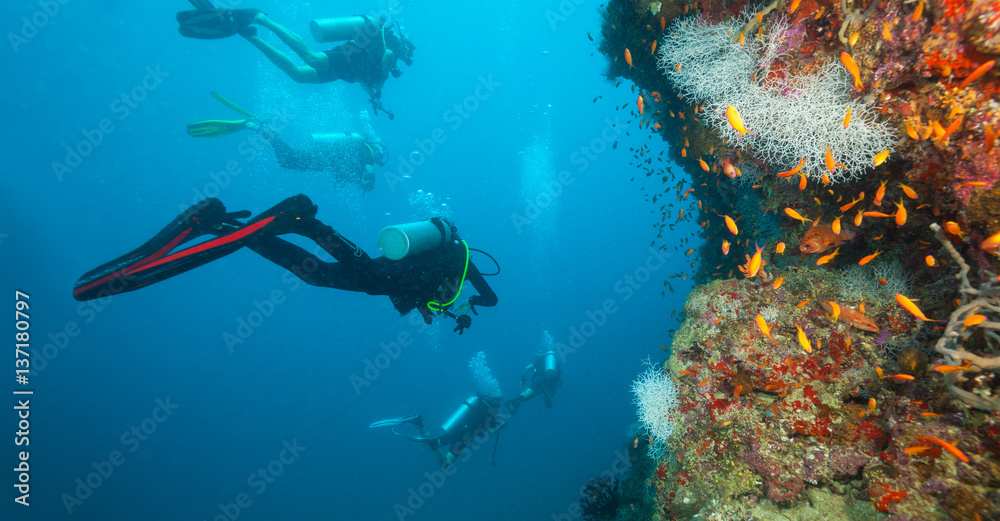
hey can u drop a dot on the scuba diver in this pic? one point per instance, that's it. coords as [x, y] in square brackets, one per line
[477, 414]
[348, 156]
[367, 57]
[424, 264]
[546, 376]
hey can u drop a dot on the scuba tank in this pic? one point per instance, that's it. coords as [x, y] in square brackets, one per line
[326, 30]
[339, 139]
[472, 412]
[551, 365]
[399, 241]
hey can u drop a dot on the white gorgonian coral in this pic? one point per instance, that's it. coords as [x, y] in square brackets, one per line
[657, 405]
[793, 116]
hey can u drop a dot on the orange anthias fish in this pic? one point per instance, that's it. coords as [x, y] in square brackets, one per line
[828, 257]
[628, 58]
[868, 258]
[879, 194]
[762, 325]
[954, 229]
[731, 224]
[639, 103]
[952, 368]
[795, 215]
[946, 446]
[900, 213]
[804, 340]
[852, 67]
[736, 121]
[755, 263]
[821, 238]
[790, 173]
[780, 248]
[991, 243]
[912, 308]
[982, 69]
[974, 320]
[880, 157]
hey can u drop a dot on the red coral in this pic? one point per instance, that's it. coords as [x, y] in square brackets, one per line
[890, 497]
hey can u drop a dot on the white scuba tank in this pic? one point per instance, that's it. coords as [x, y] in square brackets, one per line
[337, 29]
[551, 365]
[401, 240]
[463, 417]
[338, 139]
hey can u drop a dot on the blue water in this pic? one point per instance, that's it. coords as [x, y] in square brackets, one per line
[290, 382]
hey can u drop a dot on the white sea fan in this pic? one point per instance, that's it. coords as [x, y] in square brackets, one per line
[794, 116]
[657, 405]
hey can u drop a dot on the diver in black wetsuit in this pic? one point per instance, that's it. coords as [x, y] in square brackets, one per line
[369, 54]
[477, 415]
[426, 276]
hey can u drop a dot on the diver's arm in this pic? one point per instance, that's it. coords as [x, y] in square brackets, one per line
[486, 296]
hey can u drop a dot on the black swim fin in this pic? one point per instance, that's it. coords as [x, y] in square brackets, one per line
[155, 260]
[212, 24]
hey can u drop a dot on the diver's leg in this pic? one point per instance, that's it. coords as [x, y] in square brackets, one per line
[317, 61]
[153, 262]
[300, 74]
[308, 267]
[354, 271]
[289, 157]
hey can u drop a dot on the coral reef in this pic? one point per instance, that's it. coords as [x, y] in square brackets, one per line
[791, 117]
[838, 403]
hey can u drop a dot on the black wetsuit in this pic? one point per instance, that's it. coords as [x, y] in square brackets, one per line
[410, 283]
[360, 61]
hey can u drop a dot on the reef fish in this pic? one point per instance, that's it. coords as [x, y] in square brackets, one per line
[736, 121]
[852, 67]
[946, 446]
[821, 238]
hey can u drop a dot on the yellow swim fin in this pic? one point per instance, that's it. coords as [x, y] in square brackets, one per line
[218, 97]
[215, 128]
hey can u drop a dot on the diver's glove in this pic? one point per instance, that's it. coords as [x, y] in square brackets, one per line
[465, 307]
[463, 321]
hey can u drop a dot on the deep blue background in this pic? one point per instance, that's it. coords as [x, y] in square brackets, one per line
[291, 379]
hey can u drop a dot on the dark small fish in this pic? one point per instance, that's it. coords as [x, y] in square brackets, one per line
[589, 37]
